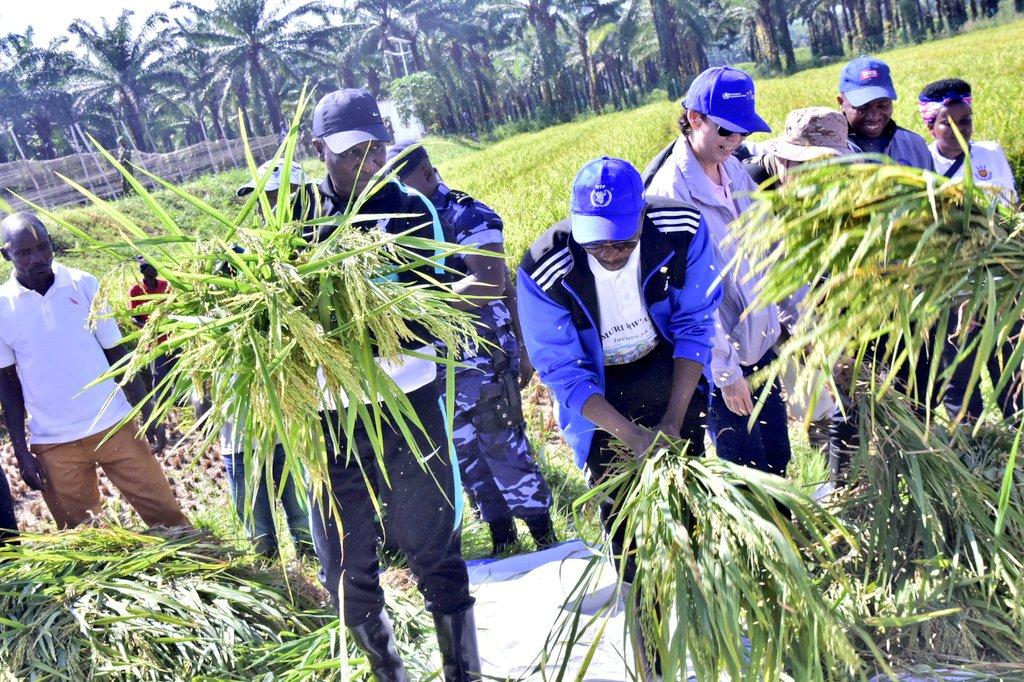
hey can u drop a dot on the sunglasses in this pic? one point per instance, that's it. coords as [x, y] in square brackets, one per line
[725, 132]
[594, 248]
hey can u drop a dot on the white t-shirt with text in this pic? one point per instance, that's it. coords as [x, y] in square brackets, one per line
[627, 333]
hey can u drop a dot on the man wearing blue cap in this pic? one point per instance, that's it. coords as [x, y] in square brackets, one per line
[613, 301]
[866, 94]
[417, 495]
[489, 430]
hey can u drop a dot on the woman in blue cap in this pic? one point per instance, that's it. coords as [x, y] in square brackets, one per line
[699, 168]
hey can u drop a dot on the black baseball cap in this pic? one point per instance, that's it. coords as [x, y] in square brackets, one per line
[345, 118]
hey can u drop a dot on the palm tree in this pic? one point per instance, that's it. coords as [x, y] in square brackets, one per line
[589, 22]
[460, 43]
[536, 17]
[823, 25]
[126, 67]
[254, 42]
[635, 46]
[681, 29]
[384, 22]
[206, 80]
[37, 91]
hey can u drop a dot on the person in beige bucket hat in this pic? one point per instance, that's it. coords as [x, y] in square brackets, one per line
[811, 134]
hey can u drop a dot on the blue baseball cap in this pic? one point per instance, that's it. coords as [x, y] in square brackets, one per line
[726, 96]
[607, 201]
[866, 79]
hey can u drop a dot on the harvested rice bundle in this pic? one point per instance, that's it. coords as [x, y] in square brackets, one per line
[886, 253]
[938, 533]
[108, 603]
[274, 329]
[735, 573]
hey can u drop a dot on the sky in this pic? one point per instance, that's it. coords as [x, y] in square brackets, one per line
[50, 18]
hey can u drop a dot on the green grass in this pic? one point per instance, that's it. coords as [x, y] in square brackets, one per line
[527, 178]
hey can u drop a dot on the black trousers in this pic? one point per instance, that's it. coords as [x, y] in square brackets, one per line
[956, 394]
[640, 391]
[844, 427]
[8, 522]
[418, 513]
[765, 445]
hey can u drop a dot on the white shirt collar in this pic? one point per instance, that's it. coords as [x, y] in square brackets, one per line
[61, 278]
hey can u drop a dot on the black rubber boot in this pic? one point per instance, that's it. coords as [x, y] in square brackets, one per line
[817, 434]
[542, 531]
[376, 639]
[503, 534]
[843, 442]
[456, 638]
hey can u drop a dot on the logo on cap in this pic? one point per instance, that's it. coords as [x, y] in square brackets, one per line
[600, 196]
[868, 74]
[749, 94]
[984, 173]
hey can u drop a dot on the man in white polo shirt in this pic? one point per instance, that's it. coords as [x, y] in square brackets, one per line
[50, 351]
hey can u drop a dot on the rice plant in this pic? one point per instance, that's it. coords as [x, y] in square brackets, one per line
[278, 319]
[888, 255]
[935, 538]
[733, 573]
[112, 604]
[885, 258]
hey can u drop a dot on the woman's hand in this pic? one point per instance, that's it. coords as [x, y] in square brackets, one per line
[738, 398]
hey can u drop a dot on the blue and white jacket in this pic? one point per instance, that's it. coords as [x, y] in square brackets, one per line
[559, 312]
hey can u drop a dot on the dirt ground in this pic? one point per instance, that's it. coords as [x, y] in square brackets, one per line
[190, 480]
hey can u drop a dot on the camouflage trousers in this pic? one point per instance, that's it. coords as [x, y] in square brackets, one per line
[489, 433]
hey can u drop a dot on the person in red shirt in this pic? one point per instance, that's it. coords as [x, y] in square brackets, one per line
[144, 294]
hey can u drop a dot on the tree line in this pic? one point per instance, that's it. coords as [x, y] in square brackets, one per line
[462, 66]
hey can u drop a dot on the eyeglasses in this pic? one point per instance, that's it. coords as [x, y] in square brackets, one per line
[594, 248]
[360, 151]
[725, 132]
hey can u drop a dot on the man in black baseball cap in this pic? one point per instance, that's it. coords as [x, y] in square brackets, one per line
[419, 499]
[350, 136]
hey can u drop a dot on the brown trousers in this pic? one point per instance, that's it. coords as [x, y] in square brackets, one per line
[72, 486]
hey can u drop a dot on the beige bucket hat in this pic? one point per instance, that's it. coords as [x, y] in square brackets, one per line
[811, 133]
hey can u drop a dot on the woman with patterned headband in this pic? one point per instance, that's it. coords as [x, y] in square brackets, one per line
[947, 105]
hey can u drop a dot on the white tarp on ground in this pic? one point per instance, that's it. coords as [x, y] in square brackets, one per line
[518, 601]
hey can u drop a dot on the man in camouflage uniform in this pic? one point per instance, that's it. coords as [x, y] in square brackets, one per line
[489, 432]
